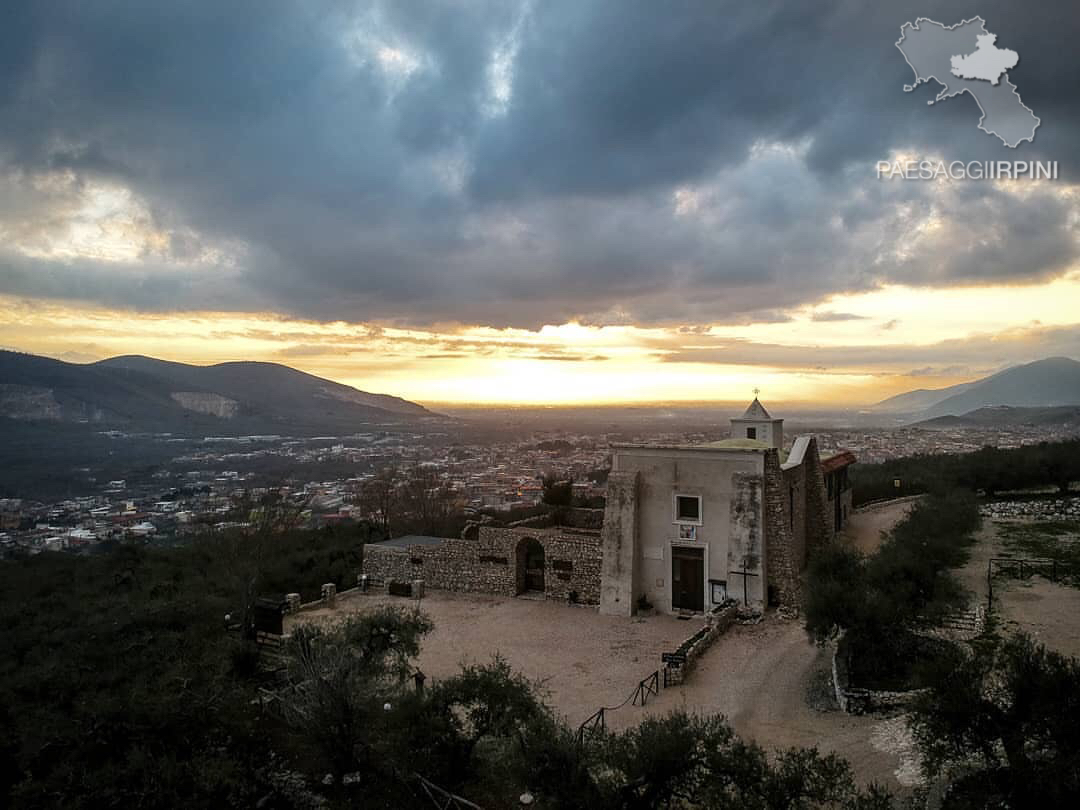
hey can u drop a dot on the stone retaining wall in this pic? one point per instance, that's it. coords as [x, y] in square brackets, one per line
[494, 563]
[717, 622]
[1049, 509]
[854, 700]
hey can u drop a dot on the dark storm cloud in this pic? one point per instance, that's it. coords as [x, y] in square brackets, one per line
[515, 164]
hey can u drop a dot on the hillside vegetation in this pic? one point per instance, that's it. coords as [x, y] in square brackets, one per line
[989, 470]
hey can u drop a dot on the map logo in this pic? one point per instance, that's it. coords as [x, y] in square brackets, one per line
[965, 58]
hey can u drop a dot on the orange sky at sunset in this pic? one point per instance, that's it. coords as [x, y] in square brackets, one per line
[850, 350]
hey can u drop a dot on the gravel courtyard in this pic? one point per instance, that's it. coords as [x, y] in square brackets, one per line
[581, 659]
[759, 676]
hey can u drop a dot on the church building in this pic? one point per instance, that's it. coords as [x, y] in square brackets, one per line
[688, 526]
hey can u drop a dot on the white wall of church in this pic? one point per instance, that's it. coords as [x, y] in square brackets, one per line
[709, 474]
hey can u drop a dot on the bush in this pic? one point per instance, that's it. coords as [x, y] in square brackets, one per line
[880, 600]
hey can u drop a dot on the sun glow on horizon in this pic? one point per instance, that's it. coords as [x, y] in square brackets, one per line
[854, 348]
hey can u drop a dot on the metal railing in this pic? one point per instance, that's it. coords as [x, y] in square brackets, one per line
[444, 799]
[1021, 568]
[597, 721]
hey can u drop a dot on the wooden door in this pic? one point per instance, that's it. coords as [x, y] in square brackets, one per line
[687, 578]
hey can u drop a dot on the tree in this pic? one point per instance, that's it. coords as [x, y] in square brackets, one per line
[379, 498]
[881, 600]
[341, 675]
[426, 500]
[686, 760]
[1004, 723]
[473, 726]
[241, 554]
[557, 492]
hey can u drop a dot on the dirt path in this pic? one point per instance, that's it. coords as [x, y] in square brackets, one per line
[759, 677]
[865, 525]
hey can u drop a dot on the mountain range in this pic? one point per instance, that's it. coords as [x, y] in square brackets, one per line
[1050, 383]
[141, 394]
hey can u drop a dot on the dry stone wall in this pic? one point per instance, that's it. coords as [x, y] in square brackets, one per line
[493, 563]
[1051, 509]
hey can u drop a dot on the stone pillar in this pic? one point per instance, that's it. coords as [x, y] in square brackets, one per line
[292, 603]
[329, 593]
[618, 539]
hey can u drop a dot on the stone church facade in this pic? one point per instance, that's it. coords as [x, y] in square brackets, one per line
[685, 528]
[688, 527]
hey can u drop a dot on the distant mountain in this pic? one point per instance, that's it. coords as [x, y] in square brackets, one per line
[142, 394]
[920, 399]
[1048, 383]
[1005, 416]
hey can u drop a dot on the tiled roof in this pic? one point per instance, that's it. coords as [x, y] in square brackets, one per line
[841, 459]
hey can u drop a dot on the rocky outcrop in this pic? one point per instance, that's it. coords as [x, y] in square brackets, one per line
[210, 404]
[29, 402]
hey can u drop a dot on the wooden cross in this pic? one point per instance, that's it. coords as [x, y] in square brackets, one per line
[744, 574]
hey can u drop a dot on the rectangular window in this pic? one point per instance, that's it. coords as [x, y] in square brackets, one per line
[688, 509]
[751, 433]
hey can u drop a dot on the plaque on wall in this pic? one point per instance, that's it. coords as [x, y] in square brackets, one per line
[687, 532]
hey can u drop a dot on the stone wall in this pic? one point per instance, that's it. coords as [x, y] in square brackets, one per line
[717, 621]
[1049, 509]
[797, 517]
[783, 569]
[819, 519]
[491, 563]
[855, 700]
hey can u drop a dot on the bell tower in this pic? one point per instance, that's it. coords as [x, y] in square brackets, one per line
[757, 424]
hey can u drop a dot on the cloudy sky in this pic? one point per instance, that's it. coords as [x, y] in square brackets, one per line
[548, 201]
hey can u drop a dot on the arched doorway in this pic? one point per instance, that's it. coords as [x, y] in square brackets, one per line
[530, 566]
